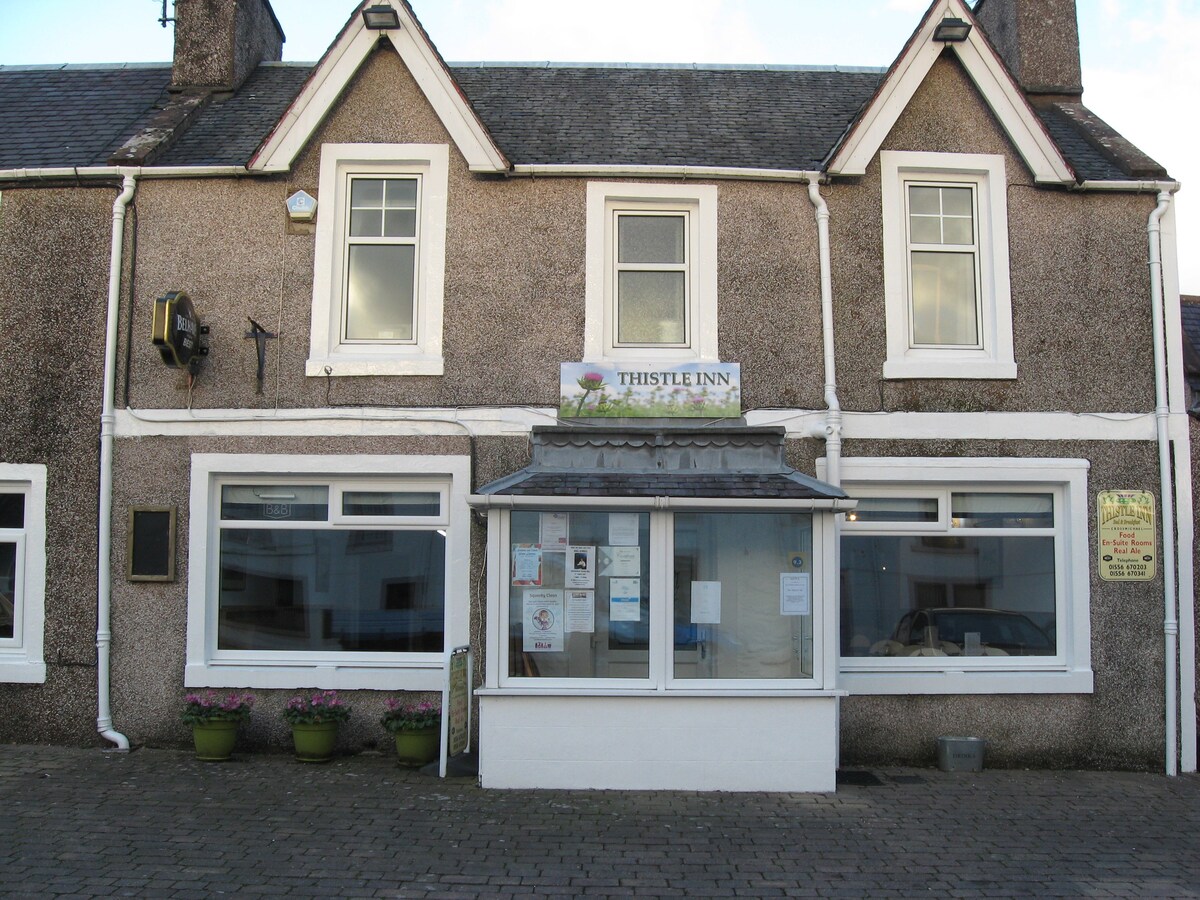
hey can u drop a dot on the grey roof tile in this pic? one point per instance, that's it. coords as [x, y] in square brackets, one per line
[581, 114]
[227, 132]
[755, 118]
[53, 116]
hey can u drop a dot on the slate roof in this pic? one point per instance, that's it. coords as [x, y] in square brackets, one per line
[228, 132]
[53, 116]
[770, 118]
[680, 460]
[779, 486]
[568, 114]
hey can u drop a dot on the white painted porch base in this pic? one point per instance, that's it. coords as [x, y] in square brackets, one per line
[701, 743]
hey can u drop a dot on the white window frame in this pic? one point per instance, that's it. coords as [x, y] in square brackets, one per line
[208, 667]
[21, 656]
[605, 200]
[329, 354]
[1068, 672]
[660, 679]
[993, 358]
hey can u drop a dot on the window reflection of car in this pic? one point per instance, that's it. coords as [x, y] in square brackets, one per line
[943, 632]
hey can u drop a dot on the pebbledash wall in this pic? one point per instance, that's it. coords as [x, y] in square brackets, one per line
[514, 287]
[1080, 410]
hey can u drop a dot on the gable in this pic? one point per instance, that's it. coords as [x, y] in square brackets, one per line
[995, 85]
[338, 67]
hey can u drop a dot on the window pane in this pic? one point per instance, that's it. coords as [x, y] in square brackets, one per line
[379, 305]
[400, 223]
[579, 609]
[925, 230]
[924, 201]
[275, 502]
[650, 308]
[12, 510]
[366, 222]
[338, 591]
[1002, 510]
[391, 503]
[943, 299]
[8, 589]
[743, 595]
[650, 239]
[366, 192]
[401, 192]
[895, 509]
[958, 231]
[947, 595]
[956, 201]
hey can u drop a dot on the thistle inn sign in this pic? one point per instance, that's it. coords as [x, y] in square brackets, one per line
[614, 390]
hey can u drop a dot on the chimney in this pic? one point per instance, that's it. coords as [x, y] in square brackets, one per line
[218, 43]
[1039, 42]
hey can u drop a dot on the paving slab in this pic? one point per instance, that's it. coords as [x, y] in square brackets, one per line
[159, 823]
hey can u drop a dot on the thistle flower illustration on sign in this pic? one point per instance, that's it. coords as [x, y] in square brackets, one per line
[590, 382]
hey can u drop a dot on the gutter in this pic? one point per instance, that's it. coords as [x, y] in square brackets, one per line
[532, 501]
[727, 172]
[82, 172]
[104, 723]
[1162, 422]
[1153, 187]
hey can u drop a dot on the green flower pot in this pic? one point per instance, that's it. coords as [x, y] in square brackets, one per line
[315, 742]
[214, 739]
[417, 747]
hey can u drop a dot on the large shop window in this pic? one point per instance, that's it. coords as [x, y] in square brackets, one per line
[306, 570]
[651, 272]
[654, 599]
[380, 260]
[22, 572]
[946, 283]
[969, 578]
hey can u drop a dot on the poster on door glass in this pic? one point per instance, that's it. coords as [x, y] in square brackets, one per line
[554, 527]
[619, 562]
[582, 570]
[527, 564]
[543, 621]
[795, 594]
[706, 603]
[625, 600]
[581, 612]
[623, 529]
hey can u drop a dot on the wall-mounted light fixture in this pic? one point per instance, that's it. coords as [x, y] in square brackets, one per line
[951, 30]
[380, 17]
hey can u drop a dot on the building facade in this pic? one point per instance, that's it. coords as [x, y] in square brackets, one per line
[743, 422]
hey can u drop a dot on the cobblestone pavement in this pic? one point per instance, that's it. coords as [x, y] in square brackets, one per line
[157, 823]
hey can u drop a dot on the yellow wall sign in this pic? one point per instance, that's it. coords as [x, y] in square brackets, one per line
[1125, 536]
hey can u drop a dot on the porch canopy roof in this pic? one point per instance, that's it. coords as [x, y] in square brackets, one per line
[659, 466]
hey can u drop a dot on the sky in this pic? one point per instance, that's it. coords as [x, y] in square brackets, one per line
[1139, 72]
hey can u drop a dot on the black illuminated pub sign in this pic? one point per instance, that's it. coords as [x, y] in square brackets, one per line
[177, 330]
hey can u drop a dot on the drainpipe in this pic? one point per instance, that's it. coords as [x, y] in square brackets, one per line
[831, 431]
[1161, 418]
[104, 549]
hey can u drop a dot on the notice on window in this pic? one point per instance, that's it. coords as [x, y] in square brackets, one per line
[623, 529]
[581, 569]
[1126, 535]
[620, 562]
[554, 527]
[625, 600]
[795, 594]
[706, 603]
[543, 621]
[527, 564]
[581, 612]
